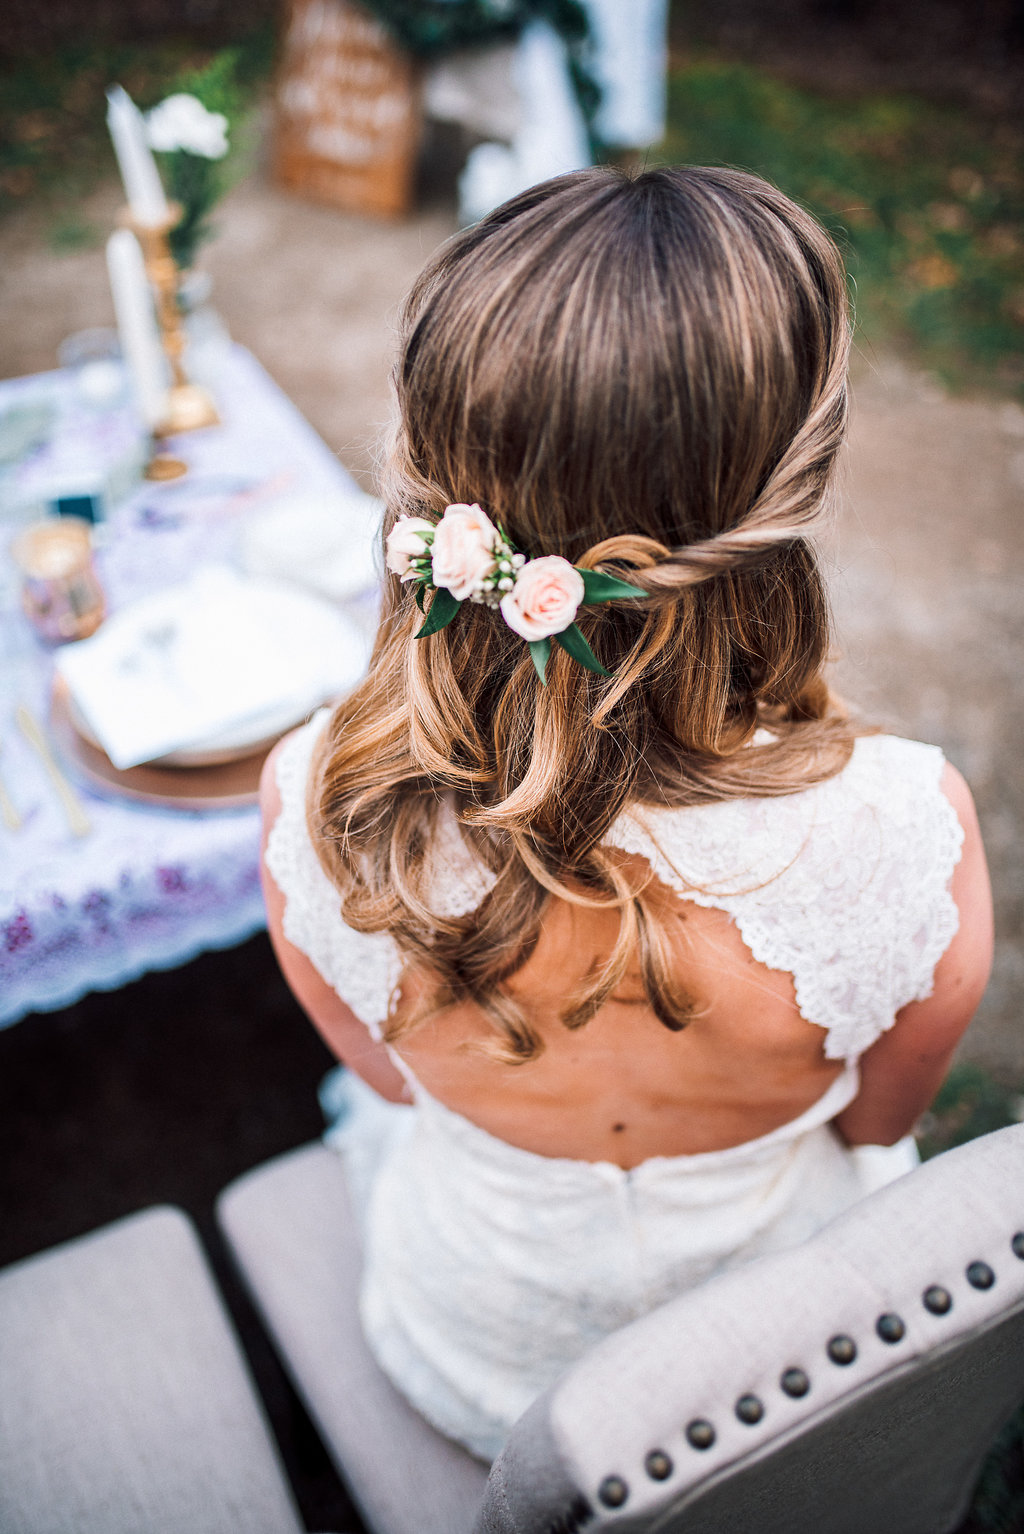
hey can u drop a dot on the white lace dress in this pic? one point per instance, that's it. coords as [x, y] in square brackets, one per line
[489, 1269]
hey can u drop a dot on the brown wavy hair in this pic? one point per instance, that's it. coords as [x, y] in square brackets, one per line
[646, 375]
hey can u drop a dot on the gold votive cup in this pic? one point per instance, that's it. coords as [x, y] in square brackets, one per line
[61, 593]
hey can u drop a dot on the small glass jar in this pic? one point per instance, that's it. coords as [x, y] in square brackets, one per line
[61, 594]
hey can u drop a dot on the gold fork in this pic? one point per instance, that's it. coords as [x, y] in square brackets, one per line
[78, 821]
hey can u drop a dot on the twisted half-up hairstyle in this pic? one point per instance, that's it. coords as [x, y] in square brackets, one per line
[645, 375]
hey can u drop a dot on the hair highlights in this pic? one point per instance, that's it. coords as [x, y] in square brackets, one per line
[642, 375]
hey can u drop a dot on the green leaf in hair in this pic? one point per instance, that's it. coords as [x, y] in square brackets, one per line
[598, 587]
[574, 644]
[540, 652]
[442, 610]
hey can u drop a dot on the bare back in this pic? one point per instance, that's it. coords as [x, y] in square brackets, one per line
[624, 1088]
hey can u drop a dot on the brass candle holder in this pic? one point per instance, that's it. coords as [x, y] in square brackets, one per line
[189, 405]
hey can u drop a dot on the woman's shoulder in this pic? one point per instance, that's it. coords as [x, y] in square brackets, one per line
[911, 794]
[844, 884]
[285, 773]
[887, 777]
[459, 881]
[362, 968]
[894, 760]
[885, 822]
[288, 851]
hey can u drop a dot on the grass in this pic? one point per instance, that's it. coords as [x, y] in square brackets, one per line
[970, 1103]
[926, 202]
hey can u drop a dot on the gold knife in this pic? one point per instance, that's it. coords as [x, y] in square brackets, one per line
[78, 820]
[8, 810]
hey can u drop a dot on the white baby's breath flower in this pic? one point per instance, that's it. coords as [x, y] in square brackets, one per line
[182, 122]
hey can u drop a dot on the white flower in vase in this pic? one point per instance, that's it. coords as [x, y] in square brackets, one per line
[193, 139]
[181, 122]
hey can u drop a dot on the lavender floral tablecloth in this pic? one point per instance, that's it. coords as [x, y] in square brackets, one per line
[147, 888]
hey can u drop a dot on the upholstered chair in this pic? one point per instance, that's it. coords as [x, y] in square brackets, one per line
[125, 1403]
[851, 1385]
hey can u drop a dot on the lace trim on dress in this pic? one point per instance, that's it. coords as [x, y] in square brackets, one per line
[458, 881]
[844, 886]
[362, 967]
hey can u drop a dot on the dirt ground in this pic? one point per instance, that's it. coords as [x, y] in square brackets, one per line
[928, 557]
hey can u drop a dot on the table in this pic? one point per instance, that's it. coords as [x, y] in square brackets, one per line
[148, 888]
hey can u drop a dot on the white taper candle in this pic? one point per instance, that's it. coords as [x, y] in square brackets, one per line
[137, 325]
[141, 178]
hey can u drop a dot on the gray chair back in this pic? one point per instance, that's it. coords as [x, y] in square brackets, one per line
[849, 1386]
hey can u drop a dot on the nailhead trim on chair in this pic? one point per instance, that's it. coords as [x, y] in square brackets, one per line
[700, 1434]
[613, 1491]
[750, 1409]
[890, 1327]
[658, 1465]
[842, 1349]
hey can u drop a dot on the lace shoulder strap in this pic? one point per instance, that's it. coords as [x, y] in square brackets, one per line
[844, 886]
[363, 968]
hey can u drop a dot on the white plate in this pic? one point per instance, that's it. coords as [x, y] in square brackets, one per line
[216, 751]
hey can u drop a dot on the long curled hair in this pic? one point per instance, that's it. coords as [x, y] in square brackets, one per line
[646, 375]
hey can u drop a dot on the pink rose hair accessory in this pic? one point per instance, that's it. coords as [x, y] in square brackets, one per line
[464, 557]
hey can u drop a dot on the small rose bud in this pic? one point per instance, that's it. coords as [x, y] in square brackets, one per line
[506, 583]
[405, 541]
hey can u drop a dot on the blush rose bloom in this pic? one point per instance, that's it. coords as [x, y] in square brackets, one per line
[462, 556]
[544, 599]
[405, 543]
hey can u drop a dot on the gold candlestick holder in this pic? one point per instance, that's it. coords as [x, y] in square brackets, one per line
[189, 405]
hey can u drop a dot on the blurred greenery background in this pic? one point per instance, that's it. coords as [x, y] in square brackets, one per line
[925, 196]
[926, 201]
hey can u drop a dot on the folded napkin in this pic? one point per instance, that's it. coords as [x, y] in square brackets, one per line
[219, 661]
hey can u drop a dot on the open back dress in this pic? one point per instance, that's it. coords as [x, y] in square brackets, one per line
[489, 1268]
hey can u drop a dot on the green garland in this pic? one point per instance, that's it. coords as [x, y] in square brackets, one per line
[429, 28]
